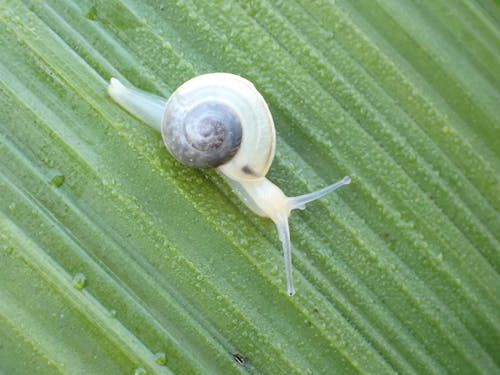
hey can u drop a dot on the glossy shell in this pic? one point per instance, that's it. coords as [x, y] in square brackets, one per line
[205, 135]
[220, 120]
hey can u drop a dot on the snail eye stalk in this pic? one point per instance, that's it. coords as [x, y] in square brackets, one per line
[282, 227]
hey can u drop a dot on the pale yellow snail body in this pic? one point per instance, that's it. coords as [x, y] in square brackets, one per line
[220, 120]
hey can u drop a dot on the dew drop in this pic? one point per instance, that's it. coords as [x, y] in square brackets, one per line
[140, 371]
[244, 243]
[342, 344]
[161, 358]
[79, 281]
[91, 13]
[274, 270]
[168, 47]
[56, 177]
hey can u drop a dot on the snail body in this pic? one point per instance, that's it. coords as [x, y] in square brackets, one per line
[220, 120]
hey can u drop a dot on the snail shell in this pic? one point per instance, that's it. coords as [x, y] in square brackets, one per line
[216, 118]
[220, 120]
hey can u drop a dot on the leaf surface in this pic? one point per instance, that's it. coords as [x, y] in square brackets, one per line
[116, 259]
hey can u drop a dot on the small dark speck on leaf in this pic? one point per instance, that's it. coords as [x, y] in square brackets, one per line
[239, 358]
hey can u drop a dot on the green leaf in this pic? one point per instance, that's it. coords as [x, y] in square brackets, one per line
[116, 259]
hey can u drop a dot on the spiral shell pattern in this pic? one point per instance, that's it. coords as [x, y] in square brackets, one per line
[220, 120]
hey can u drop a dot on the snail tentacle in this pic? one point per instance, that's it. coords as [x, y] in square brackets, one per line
[301, 200]
[283, 229]
[268, 200]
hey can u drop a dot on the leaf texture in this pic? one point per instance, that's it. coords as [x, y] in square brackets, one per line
[116, 259]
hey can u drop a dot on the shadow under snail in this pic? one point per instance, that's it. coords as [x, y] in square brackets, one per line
[220, 120]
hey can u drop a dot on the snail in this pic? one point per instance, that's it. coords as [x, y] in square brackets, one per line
[220, 120]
